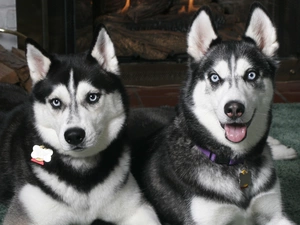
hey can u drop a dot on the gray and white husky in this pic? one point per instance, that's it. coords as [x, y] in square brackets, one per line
[63, 155]
[212, 165]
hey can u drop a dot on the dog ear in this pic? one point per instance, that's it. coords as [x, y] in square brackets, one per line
[261, 29]
[202, 33]
[104, 52]
[38, 61]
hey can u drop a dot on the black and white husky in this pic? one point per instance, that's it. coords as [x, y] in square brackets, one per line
[212, 164]
[63, 156]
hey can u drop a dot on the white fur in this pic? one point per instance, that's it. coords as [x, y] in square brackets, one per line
[208, 107]
[105, 201]
[222, 183]
[212, 213]
[211, 103]
[101, 121]
[210, 180]
[264, 209]
[38, 64]
[280, 151]
[117, 199]
[104, 52]
[262, 31]
[200, 36]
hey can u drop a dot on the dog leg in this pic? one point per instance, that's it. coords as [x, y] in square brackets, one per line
[214, 213]
[143, 215]
[280, 151]
[266, 208]
[280, 221]
[41, 209]
[129, 208]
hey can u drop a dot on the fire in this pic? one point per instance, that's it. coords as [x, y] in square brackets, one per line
[125, 8]
[191, 7]
[182, 10]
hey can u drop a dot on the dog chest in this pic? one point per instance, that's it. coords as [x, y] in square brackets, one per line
[261, 208]
[76, 198]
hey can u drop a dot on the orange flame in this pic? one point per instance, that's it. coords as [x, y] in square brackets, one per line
[182, 10]
[126, 7]
[191, 7]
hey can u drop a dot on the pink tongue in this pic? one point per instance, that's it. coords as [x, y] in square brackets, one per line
[235, 133]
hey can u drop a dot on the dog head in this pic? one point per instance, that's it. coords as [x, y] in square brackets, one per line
[230, 85]
[79, 102]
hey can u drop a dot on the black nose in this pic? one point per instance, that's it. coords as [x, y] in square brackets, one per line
[74, 136]
[234, 109]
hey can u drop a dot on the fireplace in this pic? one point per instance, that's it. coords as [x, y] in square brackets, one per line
[156, 30]
[149, 35]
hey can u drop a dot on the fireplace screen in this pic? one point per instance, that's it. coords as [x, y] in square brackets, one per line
[145, 29]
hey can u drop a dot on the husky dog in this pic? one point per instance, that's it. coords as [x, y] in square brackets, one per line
[212, 165]
[63, 155]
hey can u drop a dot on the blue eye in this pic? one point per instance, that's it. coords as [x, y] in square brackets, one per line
[214, 78]
[56, 103]
[93, 98]
[251, 75]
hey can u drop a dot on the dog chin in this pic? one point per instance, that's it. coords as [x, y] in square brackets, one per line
[82, 151]
[68, 149]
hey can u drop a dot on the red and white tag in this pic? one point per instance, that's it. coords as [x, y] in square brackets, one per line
[41, 154]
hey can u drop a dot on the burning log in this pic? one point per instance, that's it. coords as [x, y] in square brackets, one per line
[149, 44]
[143, 11]
[111, 6]
[155, 29]
[157, 40]
[178, 23]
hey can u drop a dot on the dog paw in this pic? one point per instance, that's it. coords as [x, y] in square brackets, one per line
[280, 151]
[143, 215]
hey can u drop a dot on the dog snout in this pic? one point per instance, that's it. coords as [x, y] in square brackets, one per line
[74, 136]
[234, 109]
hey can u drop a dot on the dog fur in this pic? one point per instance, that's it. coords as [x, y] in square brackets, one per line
[77, 112]
[224, 107]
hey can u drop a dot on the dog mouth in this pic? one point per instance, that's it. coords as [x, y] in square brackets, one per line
[77, 148]
[236, 132]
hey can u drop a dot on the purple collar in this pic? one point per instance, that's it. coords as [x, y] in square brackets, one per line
[220, 160]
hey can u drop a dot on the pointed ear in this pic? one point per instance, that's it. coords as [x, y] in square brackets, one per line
[202, 33]
[104, 52]
[261, 29]
[38, 61]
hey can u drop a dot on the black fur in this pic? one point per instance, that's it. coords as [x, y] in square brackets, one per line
[10, 97]
[18, 133]
[166, 162]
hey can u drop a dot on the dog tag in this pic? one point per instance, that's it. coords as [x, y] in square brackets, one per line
[40, 154]
[245, 178]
